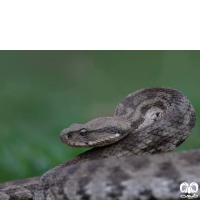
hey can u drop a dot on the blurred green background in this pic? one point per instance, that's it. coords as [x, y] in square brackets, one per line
[43, 92]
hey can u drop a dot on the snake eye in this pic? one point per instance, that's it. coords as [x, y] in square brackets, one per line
[82, 132]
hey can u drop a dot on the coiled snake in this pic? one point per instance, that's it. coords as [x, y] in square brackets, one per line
[148, 121]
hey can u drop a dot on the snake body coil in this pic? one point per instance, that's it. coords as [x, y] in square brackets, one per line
[148, 121]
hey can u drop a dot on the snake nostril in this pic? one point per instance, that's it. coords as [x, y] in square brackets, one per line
[69, 135]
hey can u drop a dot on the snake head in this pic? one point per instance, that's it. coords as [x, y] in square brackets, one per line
[98, 132]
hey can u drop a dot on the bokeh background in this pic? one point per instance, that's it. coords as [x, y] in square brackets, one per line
[43, 92]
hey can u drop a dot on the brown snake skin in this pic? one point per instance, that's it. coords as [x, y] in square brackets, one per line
[149, 121]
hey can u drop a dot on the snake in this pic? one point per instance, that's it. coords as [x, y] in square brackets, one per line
[149, 121]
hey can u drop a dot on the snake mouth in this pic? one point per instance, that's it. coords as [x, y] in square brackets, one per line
[85, 142]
